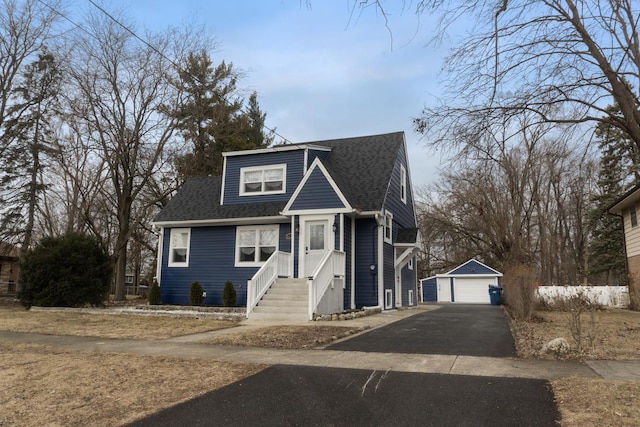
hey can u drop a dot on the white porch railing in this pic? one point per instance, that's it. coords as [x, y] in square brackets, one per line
[278, 265]
[331, 266]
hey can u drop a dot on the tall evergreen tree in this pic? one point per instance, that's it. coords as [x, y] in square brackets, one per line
[30, 131]
[618, 168]
[211, 116]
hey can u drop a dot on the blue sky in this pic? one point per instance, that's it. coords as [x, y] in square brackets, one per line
[321, 72]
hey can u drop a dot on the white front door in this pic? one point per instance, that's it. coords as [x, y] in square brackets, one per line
[316, 242]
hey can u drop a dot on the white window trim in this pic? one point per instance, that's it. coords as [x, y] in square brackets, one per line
[174, 231]
[262, 169]
[410, 296]
[388, 216]
[257, 228]
[410, 264]
[388, 299]
[403, 184]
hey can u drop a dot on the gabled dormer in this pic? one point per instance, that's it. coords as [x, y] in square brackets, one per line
[266, 175]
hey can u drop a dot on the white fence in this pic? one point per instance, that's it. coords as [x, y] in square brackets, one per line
[611, 296]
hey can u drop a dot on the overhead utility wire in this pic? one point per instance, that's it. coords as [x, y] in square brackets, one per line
[130, 31]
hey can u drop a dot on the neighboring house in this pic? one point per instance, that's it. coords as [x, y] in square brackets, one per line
[467, 283]
[627, 208]
[335, 217]
[9, 268]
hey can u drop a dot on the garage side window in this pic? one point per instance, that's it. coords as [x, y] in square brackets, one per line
[179, 247]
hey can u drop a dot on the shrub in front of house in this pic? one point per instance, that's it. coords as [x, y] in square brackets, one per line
[229, 295]
[154, 293]
[195, 294]
[68, 271]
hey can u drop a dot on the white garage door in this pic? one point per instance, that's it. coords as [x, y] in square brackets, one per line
[471, 290]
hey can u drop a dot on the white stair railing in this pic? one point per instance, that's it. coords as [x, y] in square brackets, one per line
[278, 265]
[332, 265]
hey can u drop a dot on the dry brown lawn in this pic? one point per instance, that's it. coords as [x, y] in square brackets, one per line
[286, 337]
[43, 385]
[125, 326]
[581, 401]
[47, 386]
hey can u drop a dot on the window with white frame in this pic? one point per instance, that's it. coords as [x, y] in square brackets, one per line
[410, 295]
[263, 180]
[388, 298]
[410, 263]
[179, 247]
[403, 184]
[388, 227]
[633, 216]
[255, 244]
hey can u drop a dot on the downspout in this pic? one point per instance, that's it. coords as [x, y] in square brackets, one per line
[380, 250]
[160, 234]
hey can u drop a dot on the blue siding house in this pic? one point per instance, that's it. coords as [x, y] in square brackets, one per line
[300, 230]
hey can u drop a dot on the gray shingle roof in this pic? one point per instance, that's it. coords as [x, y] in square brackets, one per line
[199, 199]
[407, 235]
[360, 166]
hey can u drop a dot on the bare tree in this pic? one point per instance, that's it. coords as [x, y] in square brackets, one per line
[578, 56]
[514, 203]
[25, 28]
[122, 88]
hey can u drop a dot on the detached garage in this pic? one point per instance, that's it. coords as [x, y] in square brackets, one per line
[468, 283]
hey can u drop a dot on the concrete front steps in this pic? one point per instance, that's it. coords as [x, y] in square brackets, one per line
[286, 301]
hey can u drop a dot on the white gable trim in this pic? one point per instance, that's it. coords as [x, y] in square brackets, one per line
[317, 164]
[450, 273]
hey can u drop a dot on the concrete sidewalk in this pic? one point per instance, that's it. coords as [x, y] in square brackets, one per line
[190, 347]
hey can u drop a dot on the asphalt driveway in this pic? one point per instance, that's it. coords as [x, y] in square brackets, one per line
[311, 396]
[285, 395]
[453, 329]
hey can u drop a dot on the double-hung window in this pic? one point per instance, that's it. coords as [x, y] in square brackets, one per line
[255, 244]
[388, 227]
[403, 184]
[179, 247]
[263, 180]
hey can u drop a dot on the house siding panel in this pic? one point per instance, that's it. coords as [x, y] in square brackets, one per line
[317, 193]
[348, 267]
[295, 164]
[211, 262]
[409, 280]
[403, 214]
[366, 254]
[320, 154]
[632, 236]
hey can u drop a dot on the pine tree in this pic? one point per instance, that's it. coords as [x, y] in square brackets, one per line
[31, 135]
[211, 116]
[618, 168]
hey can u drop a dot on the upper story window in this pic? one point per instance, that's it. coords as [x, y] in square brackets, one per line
[403, 184]
[388, 227]
[633, 215]
[179, 247]
[263, 180]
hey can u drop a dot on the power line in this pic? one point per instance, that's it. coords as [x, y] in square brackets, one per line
[146, 43]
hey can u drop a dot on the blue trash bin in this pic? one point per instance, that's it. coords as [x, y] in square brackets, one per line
[495, 294]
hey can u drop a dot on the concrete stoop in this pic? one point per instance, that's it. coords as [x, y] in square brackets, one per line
[287, 301]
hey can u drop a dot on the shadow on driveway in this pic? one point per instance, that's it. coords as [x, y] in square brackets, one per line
[310, 396]
[453, 329]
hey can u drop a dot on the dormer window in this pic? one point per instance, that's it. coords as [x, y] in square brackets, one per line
[263, 180]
